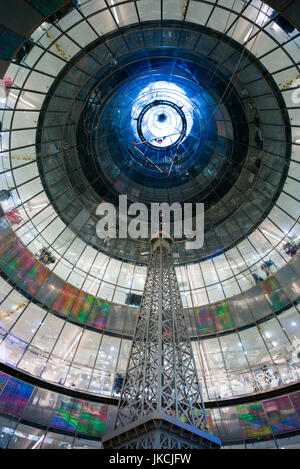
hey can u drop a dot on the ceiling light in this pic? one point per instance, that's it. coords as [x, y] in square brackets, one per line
[73, 345]
[115, 12]
[275, 27]
[38, 442]
[248, 34]
[272, 236]
[27, 102]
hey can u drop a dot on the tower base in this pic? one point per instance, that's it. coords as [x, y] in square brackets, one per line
[160, 431]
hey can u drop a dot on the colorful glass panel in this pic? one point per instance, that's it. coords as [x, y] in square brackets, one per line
[204, 320]
[93, 419]
[82, 307]
[35, 278]
[3, 380]
[281, 414]
[295, 399]
[67, 414]
[64, 302]
[253, 420]
[99, 313]
[274, 293]
[223, 317]
[15, 396]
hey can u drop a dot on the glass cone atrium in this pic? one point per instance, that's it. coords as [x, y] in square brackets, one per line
[163, 101]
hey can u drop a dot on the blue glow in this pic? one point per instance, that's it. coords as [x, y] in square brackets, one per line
[154, 115]
[162, 125]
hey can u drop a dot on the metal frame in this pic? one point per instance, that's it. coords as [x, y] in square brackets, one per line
[161, 374]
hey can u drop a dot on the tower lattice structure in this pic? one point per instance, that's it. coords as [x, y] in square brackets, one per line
[161, 404]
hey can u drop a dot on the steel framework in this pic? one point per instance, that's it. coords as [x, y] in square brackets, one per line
[161, 381]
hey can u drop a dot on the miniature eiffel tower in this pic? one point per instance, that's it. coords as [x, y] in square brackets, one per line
[161, 404]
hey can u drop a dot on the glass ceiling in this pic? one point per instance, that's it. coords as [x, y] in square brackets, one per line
[29, 210]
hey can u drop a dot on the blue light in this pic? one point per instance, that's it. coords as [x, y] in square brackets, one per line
[157, 125]
[162, 125]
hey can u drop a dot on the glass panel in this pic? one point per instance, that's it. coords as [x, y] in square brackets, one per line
[15, 396]
[281, 414]
[26, 437]
[253, 420]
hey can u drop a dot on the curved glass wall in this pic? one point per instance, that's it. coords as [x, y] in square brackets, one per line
[57, 421]
[29, 210]
[251, 360]
[31, 417]
[247, 345]
[263, 420]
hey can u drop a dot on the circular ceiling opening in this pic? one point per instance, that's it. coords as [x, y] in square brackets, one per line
[161, 124]
[165, 115]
